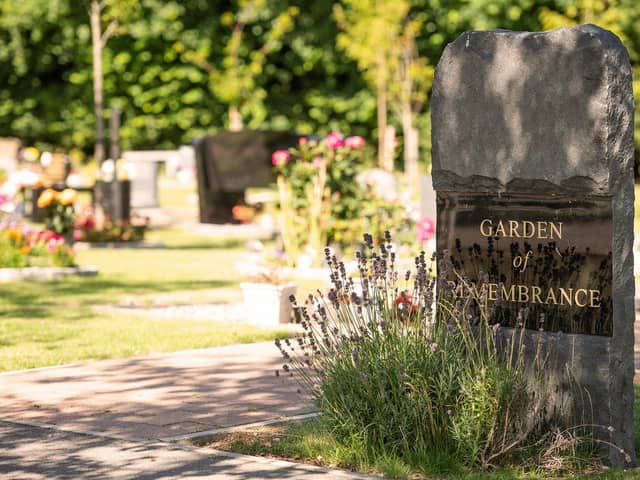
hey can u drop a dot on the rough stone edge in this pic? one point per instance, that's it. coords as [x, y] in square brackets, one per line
[620, 159]
[444, 179]
[44, 274]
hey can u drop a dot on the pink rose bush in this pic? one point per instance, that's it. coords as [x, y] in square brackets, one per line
[334, 140]
[280, 158]
[355, 143]
[324, 202]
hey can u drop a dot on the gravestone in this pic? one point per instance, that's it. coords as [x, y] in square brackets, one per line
[230, 162]
[144, 170]
[532, 138]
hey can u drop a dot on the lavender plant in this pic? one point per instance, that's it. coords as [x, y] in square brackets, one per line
[390, 370]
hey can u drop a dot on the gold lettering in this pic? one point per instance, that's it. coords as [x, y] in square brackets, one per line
[528, 233]
[512, 293]
[535, 293]
[500, 229]
[542, 229]
[578, 292]
[556, 231]
[594, 298]
[551, 295]
[566, 296]
[488, 233]
[492, 292]
[523, 294]
[513, 229]
[475, 292]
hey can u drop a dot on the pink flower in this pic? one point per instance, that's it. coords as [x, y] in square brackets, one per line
[77, 235]
[318, 162]
[355, 143]
[280, 158]
[426, 227]
[302, 141]
[45, 235]
[52, 245]
[334, 140]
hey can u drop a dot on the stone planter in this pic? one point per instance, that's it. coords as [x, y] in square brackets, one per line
[268, 304]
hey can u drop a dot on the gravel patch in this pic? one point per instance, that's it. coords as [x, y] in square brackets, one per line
[228, 312]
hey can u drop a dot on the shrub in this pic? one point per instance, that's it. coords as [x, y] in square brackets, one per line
[385, 367]
[328, 197]
[23, 246]
[88, 229]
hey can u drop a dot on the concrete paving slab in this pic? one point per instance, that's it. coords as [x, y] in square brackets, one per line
[33, 453]
[156, 396]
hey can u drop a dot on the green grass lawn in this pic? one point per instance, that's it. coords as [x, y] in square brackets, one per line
[53, 323]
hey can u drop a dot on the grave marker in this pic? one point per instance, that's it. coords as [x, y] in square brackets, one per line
[532, 138]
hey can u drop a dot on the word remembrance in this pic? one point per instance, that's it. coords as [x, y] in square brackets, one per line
[550, 272]
[533, 167]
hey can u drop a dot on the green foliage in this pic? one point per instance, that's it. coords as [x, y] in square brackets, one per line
[300, 81]
[10, 255]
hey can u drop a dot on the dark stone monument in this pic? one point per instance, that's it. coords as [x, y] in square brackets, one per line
[533, 168]
[230, 162]
[115, 199]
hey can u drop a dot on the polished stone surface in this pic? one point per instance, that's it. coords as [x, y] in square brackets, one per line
[545, 262]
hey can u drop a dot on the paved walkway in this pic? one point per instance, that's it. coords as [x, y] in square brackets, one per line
[161, 396]
[28, 453]
[131, 418]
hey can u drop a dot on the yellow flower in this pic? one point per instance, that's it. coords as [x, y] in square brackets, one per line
[67, 196]
[31, 154]
[46, 197]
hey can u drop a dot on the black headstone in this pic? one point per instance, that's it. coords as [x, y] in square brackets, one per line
[230, 162]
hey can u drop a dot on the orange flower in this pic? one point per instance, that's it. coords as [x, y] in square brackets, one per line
[26, 249]
[67, 196]
[46, 197]
[13, 234]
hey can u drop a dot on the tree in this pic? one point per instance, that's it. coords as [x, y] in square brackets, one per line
[370, 33]
[234, 80]
[111, 13]
[412, 77]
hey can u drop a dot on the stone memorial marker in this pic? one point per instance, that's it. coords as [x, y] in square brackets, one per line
[533, 168]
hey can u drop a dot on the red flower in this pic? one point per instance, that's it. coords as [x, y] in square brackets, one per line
[404, 303]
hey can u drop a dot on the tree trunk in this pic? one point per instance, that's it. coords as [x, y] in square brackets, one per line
[96, 40]
[410, 135]
[382, 130]
[235, 119]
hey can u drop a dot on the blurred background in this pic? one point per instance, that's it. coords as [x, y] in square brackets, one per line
[178, 70]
